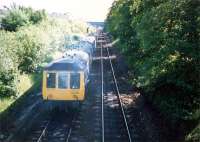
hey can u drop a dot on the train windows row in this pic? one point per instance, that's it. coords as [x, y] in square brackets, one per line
[64, 80]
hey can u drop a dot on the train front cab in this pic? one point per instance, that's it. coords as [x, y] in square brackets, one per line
[63, 86]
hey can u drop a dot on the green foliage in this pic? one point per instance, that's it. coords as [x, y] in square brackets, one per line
[195, 135]
[8, 64]
[8, 50]
[14, 19]
[161, 41]
[35, 41]
[7, 85]
[29, 51]
[38, 16]
[20, 16]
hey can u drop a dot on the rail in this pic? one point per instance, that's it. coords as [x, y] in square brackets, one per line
[102, 94]
[117, 90]
[43, 131]
[119, 96]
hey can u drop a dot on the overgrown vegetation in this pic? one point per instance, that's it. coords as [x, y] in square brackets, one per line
[18, 16]
[161, 41]
[28, 40]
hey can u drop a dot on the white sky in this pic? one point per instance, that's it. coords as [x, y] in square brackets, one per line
[88, 10]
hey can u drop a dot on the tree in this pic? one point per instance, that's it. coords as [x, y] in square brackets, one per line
[18, 16]
[161, 41]
[14, 19]
[38, 16]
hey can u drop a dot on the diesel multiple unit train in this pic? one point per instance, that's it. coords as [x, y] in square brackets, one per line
[65, 79]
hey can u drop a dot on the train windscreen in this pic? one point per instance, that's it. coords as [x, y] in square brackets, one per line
[63, 80]
[51, 80]
[75, 80]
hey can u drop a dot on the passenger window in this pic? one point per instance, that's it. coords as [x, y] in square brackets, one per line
[75, 80]
[63, 80]
[51, 80]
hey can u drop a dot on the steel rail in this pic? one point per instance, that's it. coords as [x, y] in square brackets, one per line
[70, 129]
[43, 132]
[69, 134]
[118, 94]
[102, 94]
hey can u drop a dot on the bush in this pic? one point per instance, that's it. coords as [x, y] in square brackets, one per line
[19, 16]
[14, 19]
[38, 16]
[7, 84]
[29, 52]
[7, 91]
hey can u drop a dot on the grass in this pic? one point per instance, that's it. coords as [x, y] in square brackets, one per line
[26, 82]
[194, 136]
[5, 103]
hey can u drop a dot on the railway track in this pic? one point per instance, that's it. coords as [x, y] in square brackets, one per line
[114, 123]
[53, 130]
[101, 118]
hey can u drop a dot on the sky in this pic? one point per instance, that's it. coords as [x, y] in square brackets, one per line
[87, 10]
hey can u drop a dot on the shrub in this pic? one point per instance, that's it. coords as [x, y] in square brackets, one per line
[14, 19]
[19, 16]
[7, 84]
[6, 91]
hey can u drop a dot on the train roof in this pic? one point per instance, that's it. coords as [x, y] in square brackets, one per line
[66, 64]
[81, 44]
[90, 39]
[84, 46]
[76, 53]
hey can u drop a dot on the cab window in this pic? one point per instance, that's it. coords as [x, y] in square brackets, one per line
[51, 80]
[75, 80]
[63, 80]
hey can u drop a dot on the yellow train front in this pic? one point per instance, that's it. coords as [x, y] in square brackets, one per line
[65, 80]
